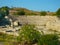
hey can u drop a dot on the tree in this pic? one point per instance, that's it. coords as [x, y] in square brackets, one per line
[2, 15]
[43, 13]
[58, 12]
[5, 9]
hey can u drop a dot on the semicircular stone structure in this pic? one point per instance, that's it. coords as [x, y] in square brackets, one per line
[46, 23]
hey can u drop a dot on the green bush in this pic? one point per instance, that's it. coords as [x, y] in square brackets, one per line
[19, 13]
[48, 39]
[28, 35]
[43, 13]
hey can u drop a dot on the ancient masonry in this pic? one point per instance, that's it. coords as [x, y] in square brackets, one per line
[47, 24]
[44, 23]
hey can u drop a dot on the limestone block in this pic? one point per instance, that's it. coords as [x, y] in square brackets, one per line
[15, 23]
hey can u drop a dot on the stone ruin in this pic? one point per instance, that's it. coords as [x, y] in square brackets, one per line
[47, 24]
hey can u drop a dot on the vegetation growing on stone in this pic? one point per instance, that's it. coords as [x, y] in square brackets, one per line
[43, 13]
[49, 39]
[28, 35]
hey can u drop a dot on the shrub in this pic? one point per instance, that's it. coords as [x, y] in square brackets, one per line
[48, 39]
[19, 13]
[28, 35]
[43, 13]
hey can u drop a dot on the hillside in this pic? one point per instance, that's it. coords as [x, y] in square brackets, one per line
[13, 11]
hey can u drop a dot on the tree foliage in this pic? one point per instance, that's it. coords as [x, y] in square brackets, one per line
[2, 15]
[58, 12]
[4, 11]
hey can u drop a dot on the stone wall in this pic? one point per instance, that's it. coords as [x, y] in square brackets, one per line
[42, 22]
[46, 24]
